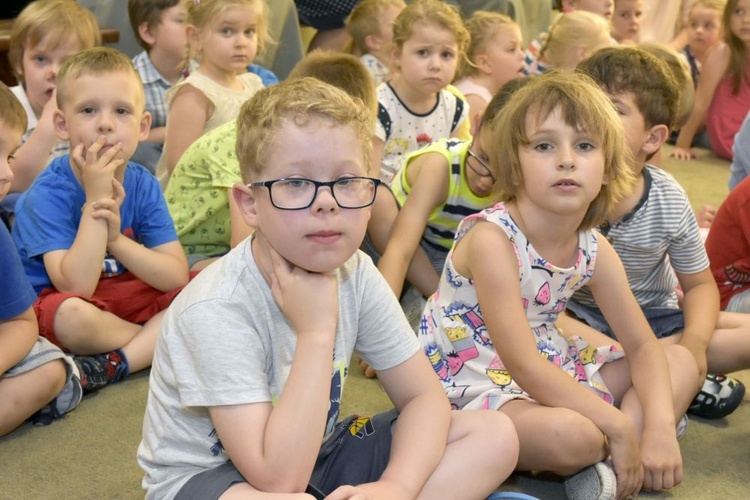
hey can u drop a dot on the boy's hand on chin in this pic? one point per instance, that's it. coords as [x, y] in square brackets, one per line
[108, 209]
[97, 169]
[310, 300]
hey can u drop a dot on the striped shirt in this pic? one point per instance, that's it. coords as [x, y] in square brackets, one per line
[659, 236]
[155, 87]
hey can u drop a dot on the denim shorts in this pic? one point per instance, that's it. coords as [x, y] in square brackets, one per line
[356, 452]
[664, 321]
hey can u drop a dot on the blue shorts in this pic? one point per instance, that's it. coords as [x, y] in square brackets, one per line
[356, 452]
[664, 321]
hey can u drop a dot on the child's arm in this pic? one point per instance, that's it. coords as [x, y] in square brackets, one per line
[477, 105]
[429, 188]
[275, 447]
[713, 71]
[157, 135]
[701, 308]
[376, 159]
[649, 370]
[17, 337]
[189, 111]
[488, 258]
[33, 155]
[421, 432]
[78, 268]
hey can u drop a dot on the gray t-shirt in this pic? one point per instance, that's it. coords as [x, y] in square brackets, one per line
[224, 341]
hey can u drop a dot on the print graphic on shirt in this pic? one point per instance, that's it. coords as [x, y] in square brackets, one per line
[497, 373]
[361, 427]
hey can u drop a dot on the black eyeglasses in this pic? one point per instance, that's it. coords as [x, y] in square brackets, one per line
[297, 193]
[485, 170]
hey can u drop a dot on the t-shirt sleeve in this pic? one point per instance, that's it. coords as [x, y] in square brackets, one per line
[46, 220]
[385, 338]
[16, 293]
[686, 250]
[154, 225]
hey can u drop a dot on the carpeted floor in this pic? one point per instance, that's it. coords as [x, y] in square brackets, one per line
[90, 454]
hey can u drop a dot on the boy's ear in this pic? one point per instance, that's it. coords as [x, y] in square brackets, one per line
[145, 34]
[145, 127]
[656, 136]
[61, 127]
[244, 197]
[373, 42]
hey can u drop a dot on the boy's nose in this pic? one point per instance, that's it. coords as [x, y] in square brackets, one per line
[324, 200]
[105, 123]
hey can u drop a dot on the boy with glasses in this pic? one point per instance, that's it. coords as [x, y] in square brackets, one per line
[252, 358]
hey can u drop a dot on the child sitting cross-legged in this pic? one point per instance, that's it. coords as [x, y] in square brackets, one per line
[252, 358]
[93, 230]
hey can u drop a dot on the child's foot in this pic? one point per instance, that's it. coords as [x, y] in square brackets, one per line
[101, 369]
[597, 482]
[719, 396]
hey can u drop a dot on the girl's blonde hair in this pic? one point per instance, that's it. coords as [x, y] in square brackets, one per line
[708, 4]
[582, 105]
[737, 49]
[482, 27]
[201, 13]
[574, 29]
[434, 12]
[56, 20]
[364, 20]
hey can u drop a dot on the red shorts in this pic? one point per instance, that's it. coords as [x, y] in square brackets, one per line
[125, 296]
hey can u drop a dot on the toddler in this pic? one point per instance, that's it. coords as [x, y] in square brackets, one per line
[224, 37]
[703, 32]
[415, 108]
[44, 35]
[93, 230]
[370, 25]
[626, 21]
[493, 58]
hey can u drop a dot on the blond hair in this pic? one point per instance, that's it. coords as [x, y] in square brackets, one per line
[708, 4]
[364, 20]
[483, 27]
[578, 28]
[433, 12]
[12, 113]
[297, 101]
[344, 71]
[582, 105]
[96, 61]
[681, 73]
[57, 21]
[201, 14]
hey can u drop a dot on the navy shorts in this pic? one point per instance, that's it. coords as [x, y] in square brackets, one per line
[664, 321]
[356, 452]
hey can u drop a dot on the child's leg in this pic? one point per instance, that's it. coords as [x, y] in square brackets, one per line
[483, 446]
[83, 328]
[729, 348]
[24, 394]
[140, 350]
[554, 439]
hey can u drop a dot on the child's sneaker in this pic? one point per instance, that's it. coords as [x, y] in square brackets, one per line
[597, 482]
[719, 396]
[682, 426]
[68, 399]
[101, 369]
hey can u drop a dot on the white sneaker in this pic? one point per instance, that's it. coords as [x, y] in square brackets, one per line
[597, 482]
[682, 426]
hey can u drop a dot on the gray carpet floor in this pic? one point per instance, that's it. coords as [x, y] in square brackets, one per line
[90, 454]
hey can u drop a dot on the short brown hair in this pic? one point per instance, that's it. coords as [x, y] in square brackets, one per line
[631, 69]
[96, 61]
[681, 72]
[582, 105]
[364, 20]
[149, 12]
[57, 20]
[297, 101]
[344, 71]
[12, 113]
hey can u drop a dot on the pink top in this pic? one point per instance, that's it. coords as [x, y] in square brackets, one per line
[725, 115]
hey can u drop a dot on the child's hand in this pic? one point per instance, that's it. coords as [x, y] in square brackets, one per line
[309, 300]
[97, 169]
[662, 461]
[108, 209]
[376, 490]
[684, 154]
[49, 108]
[626, 459]
[705, 215]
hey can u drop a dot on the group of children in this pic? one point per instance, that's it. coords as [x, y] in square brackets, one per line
[530, 223]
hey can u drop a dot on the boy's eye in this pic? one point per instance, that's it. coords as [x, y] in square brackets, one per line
[87, 110]
[226, 31]
[39, 59]
[423, 52]
[122, 111]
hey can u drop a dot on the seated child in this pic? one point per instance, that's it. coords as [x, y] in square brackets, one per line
[286, 308]
[703, 31]
[370, 25]
[159, 28]
[34, 374]
[656, 235]
[626, 21]
[415, 108]
[44, 35]
[93, 230]
[572, 38]
[558, 157]
[493, 58]
[437, 187]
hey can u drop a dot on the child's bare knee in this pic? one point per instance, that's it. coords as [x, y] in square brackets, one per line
[576, 442]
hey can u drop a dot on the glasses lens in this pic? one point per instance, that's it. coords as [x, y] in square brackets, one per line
[355, 192]
[292, 193]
